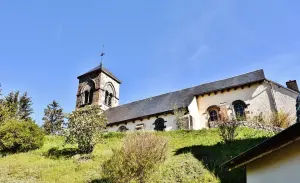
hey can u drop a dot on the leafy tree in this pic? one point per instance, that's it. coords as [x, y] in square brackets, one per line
[18, 136]
[25, 109]
[53, 118]
[84, 126]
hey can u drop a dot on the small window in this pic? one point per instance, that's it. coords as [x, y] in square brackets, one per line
[159, 124]
[106, 97]
[122, 128]
[213, 115]
[86, 97]
[109, 99]
[139, 127]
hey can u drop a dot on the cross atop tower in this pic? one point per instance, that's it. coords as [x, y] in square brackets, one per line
[102, 54]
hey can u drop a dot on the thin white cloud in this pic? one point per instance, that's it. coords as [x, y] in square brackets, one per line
[59, 31]
[202, 49]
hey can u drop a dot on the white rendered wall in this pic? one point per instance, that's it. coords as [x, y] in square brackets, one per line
[285, 100]
[281, 166]
[104, 80]
[257, 97]
[193, 111]
[148, 123]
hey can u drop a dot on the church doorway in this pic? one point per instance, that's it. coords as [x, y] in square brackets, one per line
[159, 124]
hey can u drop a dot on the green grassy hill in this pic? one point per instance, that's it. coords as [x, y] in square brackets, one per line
[194, 156]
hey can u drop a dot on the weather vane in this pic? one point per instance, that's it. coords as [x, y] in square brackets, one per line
[102, 54]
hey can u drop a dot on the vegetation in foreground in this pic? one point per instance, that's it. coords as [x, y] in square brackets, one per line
[192, 156]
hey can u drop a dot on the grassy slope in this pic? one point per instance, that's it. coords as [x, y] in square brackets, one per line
[193, 156]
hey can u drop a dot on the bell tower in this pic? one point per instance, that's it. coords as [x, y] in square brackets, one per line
[99, 87]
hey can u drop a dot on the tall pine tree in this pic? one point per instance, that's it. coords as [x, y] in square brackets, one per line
[11, 102]
[18, 107]
[25, 109]
[53, 118]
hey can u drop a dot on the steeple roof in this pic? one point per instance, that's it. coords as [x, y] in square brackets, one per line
[100, 68]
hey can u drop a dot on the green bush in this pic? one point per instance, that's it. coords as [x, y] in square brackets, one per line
[20, 136]
[85, 127]
[227, 131]
[137, 158]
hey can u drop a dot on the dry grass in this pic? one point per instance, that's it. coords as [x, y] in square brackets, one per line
[137, 158]
[279, 119]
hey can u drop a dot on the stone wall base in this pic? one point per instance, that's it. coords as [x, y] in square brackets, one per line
[257, 126]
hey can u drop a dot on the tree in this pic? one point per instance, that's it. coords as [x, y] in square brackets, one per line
[25, 109]
[18, 107]
[11, 102]
[53, 118]
[84, 126]
[0, 93]
[3, 109]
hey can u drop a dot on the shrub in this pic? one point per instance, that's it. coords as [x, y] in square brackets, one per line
[20, 136]
[181, 122]
[227, 131]
[137, 158]
[280, 119]
[85, 127]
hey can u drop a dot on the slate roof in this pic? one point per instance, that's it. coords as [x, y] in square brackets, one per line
[103, 69]
[274, 143]
[181, 98]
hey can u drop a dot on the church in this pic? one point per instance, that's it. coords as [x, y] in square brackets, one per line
[248, 95]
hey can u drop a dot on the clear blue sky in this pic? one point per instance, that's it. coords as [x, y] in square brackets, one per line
[153, 46]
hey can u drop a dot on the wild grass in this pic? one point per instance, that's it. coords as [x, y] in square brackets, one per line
[193, 156]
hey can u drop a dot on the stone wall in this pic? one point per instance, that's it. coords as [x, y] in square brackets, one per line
[254, 125]
[83, 81]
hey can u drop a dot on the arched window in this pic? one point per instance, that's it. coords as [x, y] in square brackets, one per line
[213, 112]
[122, 128]
[87, 93]
[239, 109]
[213, 115]
[159, 124]
[109, 94]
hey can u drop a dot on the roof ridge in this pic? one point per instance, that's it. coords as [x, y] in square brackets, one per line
[185, 89]
[234, 76]
[103, 69]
